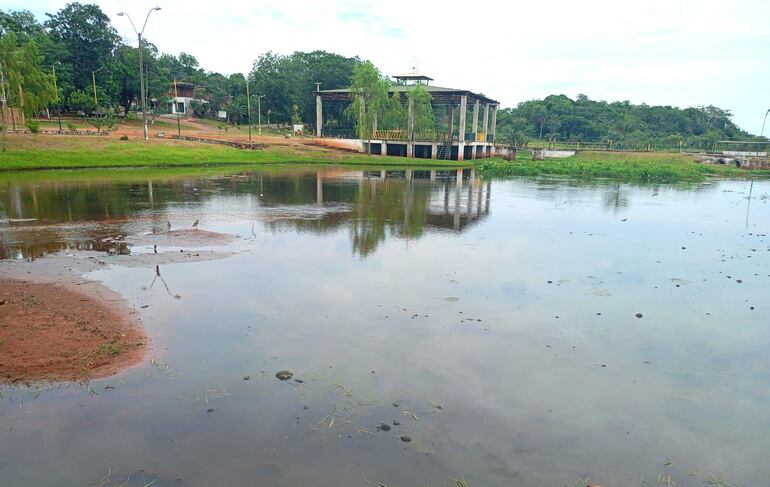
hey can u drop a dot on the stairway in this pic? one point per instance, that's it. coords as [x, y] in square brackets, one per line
[445, 149]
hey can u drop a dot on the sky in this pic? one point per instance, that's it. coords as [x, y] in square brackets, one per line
[659, 52]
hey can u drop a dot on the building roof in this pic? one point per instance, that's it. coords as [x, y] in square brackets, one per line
[439, 94]
[413, 76]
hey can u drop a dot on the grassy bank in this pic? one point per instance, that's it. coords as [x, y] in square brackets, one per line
[27, 152]
[626, 166]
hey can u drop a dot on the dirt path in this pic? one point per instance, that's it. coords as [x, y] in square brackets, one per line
[55, 332]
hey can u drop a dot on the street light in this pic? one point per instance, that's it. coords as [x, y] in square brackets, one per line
[139, 34]
[93, 79]
[259, 113]
[248, 106]
[763, 123]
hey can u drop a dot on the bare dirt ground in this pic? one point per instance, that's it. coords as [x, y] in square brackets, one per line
[56, 325]
[56, 332]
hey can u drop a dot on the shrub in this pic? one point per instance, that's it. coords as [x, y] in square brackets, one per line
[124, 137]
[131, 116]
[71, 126]
[33, 126]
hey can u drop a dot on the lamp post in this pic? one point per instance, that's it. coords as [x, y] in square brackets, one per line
[259, 113]
[139, 34]
[763, 123]
[248, 106]
[93, 79]
[56, 89]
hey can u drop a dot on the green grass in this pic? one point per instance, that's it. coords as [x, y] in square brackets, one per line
[29, 152]
[626, 166]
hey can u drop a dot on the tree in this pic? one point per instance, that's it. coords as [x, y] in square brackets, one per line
[420, 98]
[370, 95]
[26, 85]
[84, 42]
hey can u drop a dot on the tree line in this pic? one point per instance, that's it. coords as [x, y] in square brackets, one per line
[562, 119]
[75, 60]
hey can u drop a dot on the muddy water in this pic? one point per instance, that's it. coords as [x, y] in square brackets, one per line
[494, 321]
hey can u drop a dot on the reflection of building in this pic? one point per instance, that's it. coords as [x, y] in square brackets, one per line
[458, 135]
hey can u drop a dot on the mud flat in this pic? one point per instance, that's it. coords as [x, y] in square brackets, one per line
[57, 325]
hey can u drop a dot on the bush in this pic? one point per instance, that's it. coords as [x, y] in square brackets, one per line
[71, 126]
[124, 137]
[131, 116]
[33, 126]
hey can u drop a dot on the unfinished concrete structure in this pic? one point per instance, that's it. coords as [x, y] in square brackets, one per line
[456, 137]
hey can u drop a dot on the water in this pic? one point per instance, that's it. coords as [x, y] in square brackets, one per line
[498, 315]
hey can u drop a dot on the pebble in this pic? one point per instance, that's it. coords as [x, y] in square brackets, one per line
[284, 375]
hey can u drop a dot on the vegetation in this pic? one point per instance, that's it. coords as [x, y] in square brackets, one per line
[626, 166]
[629, 126]
[30, 152]
[370, 97]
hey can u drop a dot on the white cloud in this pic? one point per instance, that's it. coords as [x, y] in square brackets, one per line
[660, 52]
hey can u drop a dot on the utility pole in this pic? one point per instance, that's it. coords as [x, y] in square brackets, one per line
[176, 109]
[139, 34]
[248, 106]
[58, 96]
[259, 113]
[4, 107]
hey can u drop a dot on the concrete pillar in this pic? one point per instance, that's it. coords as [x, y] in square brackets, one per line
[384, 148]
[434, 151]
[409, 149]
[486, 118]
[473, 152]
[475, 117]
[458, 197]
[494, 122]
[319, 116]
[461, 128]
[451, 120]
[410, 121]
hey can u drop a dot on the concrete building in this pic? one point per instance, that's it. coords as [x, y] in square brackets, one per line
[458, 136]
[181, 97]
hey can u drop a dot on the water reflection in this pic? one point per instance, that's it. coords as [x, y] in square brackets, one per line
[41, 218]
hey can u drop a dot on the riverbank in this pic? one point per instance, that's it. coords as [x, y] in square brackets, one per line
[650, 167]
[64, 331]
[32, 152]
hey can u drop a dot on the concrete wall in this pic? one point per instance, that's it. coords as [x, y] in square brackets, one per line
[349, 144]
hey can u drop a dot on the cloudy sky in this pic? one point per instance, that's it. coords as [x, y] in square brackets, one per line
[668, 52]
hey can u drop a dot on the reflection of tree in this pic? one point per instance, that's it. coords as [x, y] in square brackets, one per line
[616, 198]
[72, 214]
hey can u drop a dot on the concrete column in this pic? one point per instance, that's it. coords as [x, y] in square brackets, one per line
[475, 117]
[458, 188]
[409, 149]
[461, 128]
[434, 151]
[384, 148]
[451, 120]
[486, 118]
[494, 122]
[319, 116]
[410, 121]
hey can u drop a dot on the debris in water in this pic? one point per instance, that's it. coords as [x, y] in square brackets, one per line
[406, 438]
[383, 427]
[639, 315]
[284, 375]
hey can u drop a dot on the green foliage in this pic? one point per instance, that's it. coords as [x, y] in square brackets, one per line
[124, 137]
[631, 126]
[370, 97]
[637, 167]
[420, 98]
[28, 86]
[394, 115]
[81, 100]
[33, 126]
[71, 126]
